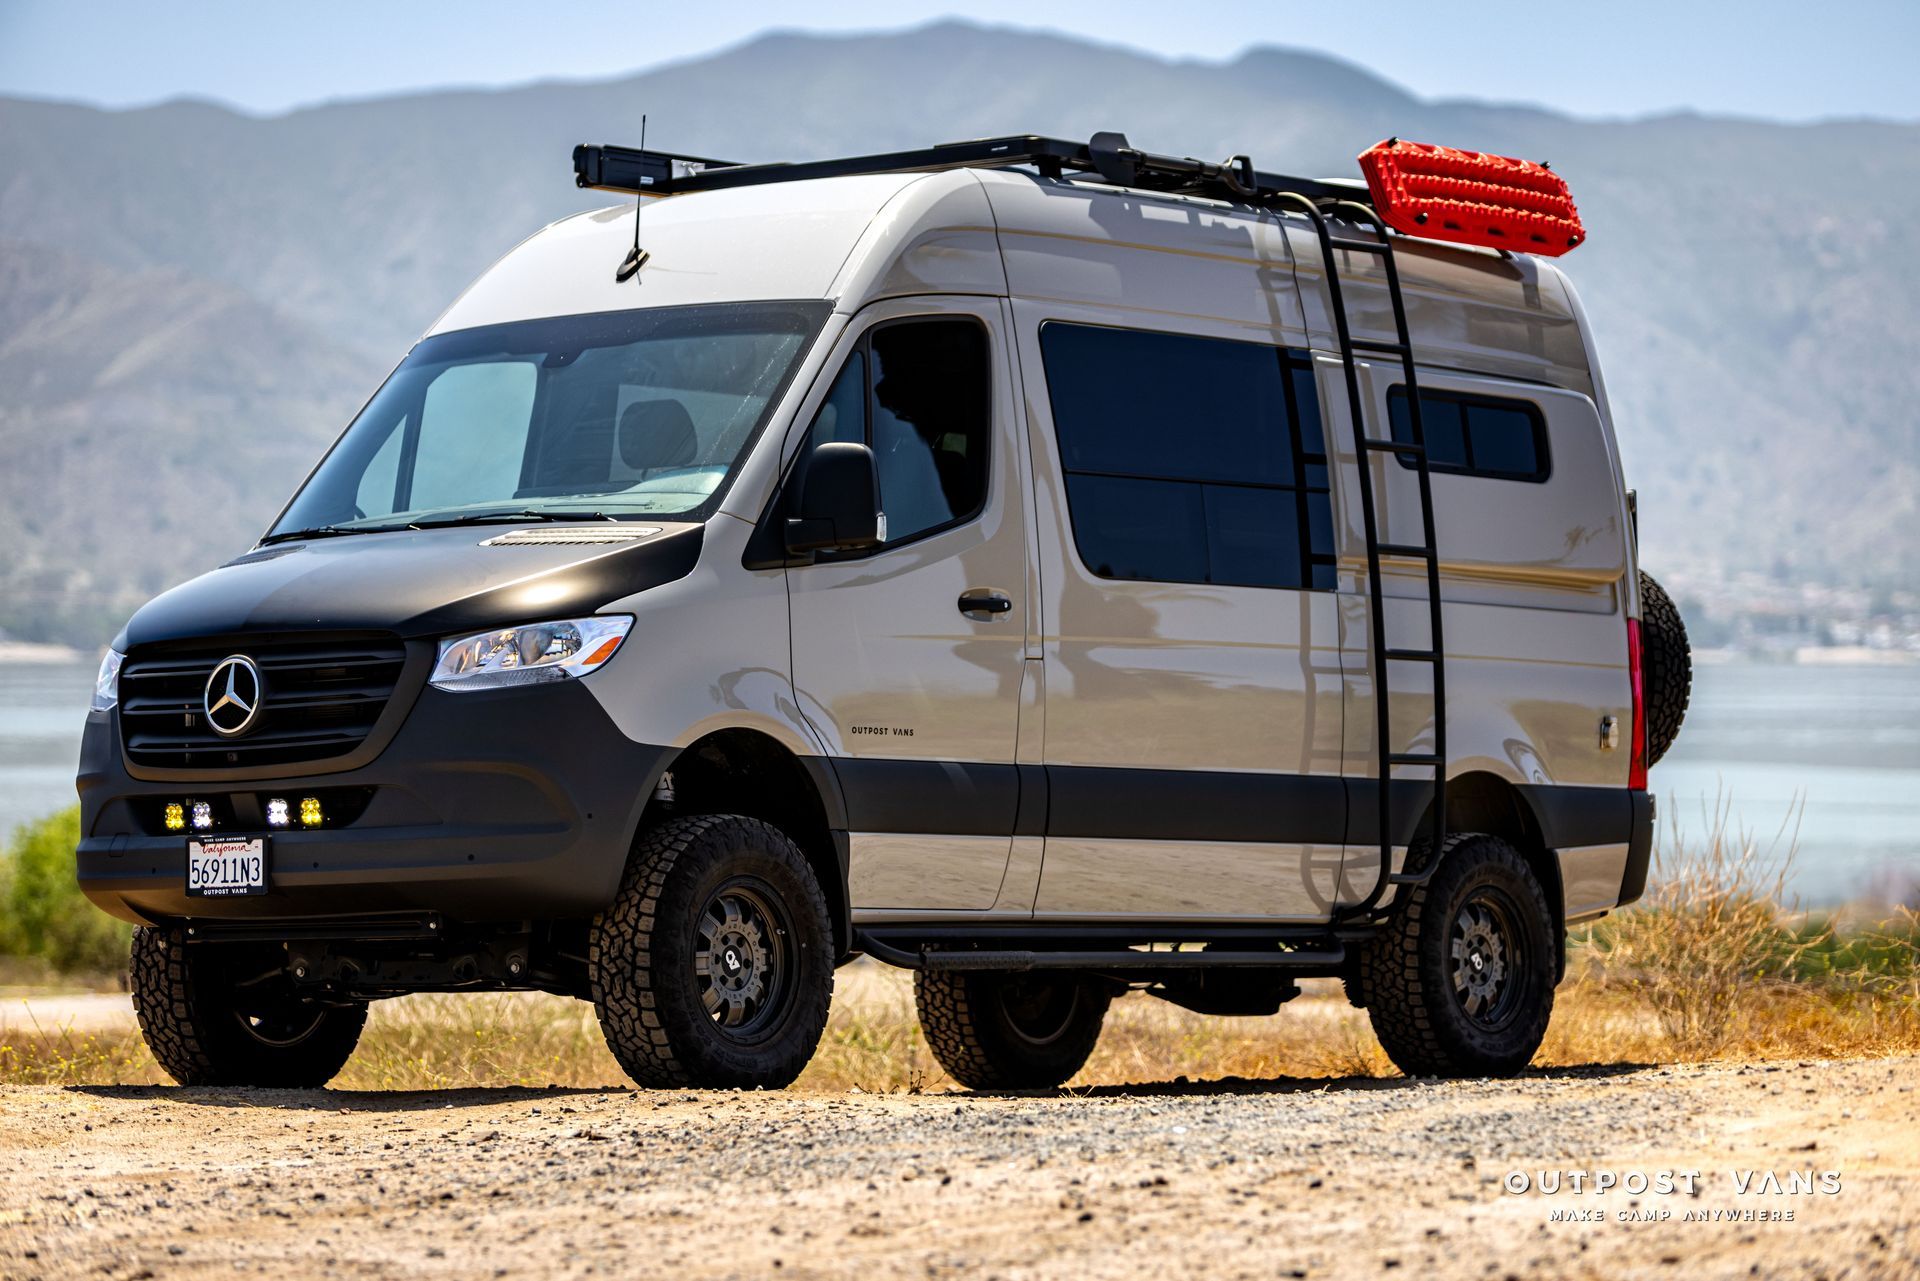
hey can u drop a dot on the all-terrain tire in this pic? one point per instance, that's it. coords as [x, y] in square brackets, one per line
[714, 965]
[1420, 982]
[1666, 666]
[1010, 1032]
[204, 1029]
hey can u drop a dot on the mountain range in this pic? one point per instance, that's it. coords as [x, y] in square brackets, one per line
[193, 300]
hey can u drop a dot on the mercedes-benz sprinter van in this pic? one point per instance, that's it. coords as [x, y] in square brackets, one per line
[1053, 568]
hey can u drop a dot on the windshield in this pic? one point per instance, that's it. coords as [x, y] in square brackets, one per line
[627, 414]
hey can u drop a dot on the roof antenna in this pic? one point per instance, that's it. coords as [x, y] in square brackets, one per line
[636, 257]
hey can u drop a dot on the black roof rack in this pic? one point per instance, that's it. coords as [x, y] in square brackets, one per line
[1107, 155]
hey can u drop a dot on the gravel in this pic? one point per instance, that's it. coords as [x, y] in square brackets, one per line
[1218, 1179]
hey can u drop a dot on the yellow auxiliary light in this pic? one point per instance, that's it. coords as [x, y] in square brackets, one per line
[176, 817]
[310, 811]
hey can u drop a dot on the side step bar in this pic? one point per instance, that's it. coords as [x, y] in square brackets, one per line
[1124, 960]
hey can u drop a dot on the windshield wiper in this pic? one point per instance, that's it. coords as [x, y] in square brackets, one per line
[470, 518]
[319, 531]
[486, 518]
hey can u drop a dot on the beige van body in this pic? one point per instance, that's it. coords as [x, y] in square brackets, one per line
[1084, 686]
[1087, 671]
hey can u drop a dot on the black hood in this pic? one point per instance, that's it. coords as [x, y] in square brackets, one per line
[428, 582]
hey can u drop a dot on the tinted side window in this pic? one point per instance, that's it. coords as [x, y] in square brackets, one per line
[929, 423]
[927, 414]
[1475, 435]
[1190, 460]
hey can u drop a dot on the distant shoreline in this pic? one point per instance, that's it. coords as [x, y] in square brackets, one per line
[36, 652]
[1810, 656]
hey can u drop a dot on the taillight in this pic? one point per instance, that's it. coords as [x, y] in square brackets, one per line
[1637, 770]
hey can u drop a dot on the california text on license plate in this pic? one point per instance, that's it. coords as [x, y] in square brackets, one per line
[219, 867]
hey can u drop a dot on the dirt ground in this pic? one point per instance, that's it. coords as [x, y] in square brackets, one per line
[1220, 1179]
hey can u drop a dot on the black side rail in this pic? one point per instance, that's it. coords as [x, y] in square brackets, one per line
[1107, 155]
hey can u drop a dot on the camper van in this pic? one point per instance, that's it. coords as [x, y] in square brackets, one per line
[1053, 568]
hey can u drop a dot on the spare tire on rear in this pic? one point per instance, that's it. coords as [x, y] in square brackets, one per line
[1666, 666]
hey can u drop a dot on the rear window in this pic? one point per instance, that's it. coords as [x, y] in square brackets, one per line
[1475, 435]
[1190, 460]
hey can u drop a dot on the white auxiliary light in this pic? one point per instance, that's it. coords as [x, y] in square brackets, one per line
[277, 812]
[202, 816]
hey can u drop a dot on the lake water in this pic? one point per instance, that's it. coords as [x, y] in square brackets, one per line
[1840, 744]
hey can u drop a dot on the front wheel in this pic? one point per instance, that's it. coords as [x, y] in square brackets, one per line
[224, 1014]
[1460, 981]
[1010, 1032]
[714, 965]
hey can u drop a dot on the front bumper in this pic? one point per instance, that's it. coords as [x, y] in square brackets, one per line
[503, 805]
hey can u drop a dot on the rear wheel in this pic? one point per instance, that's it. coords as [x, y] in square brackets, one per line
[1460, 982]
[225, 1014]
[714, 966]
[1010, 1032]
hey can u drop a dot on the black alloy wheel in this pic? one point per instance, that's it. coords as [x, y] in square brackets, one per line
[744, 962]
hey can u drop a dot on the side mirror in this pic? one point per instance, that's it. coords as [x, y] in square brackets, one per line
[838, 506]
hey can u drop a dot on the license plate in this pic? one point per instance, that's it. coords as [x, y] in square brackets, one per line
[222, 867]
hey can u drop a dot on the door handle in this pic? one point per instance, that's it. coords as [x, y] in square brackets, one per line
[981, 601]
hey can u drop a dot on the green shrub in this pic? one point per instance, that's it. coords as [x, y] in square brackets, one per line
[42, 912]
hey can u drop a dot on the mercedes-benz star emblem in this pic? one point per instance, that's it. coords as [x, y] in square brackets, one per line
[232, 699]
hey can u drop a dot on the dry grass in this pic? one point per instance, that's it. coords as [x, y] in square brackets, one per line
[1712, 965]
[1730, 968]
[1714, 940]
[873, 1043]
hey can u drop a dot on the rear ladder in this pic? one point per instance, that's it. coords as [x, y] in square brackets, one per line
[1323, 214]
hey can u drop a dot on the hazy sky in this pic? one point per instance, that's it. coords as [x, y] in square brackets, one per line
[1783, 59]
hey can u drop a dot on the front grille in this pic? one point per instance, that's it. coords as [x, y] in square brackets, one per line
[319, 699]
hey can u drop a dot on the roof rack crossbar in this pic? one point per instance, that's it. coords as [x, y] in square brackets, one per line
[661, 173]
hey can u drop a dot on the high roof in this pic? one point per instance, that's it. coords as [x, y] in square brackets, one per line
[721, 246]
[860, 237]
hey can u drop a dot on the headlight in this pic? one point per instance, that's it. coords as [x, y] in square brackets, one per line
[531, 654]
[106, 686]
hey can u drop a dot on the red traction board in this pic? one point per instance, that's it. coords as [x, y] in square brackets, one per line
[1471, 197]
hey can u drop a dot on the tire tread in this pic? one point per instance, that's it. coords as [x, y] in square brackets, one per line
[962, 1032]
[1400, 994]
[1667, 667]
[624, 966]
[187, 1024]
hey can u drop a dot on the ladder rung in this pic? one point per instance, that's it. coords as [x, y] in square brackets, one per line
[1360, 246]
[1374, 344]
[1413, 758]
[1406, 549]
[1408, 448]
[1412, 655]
